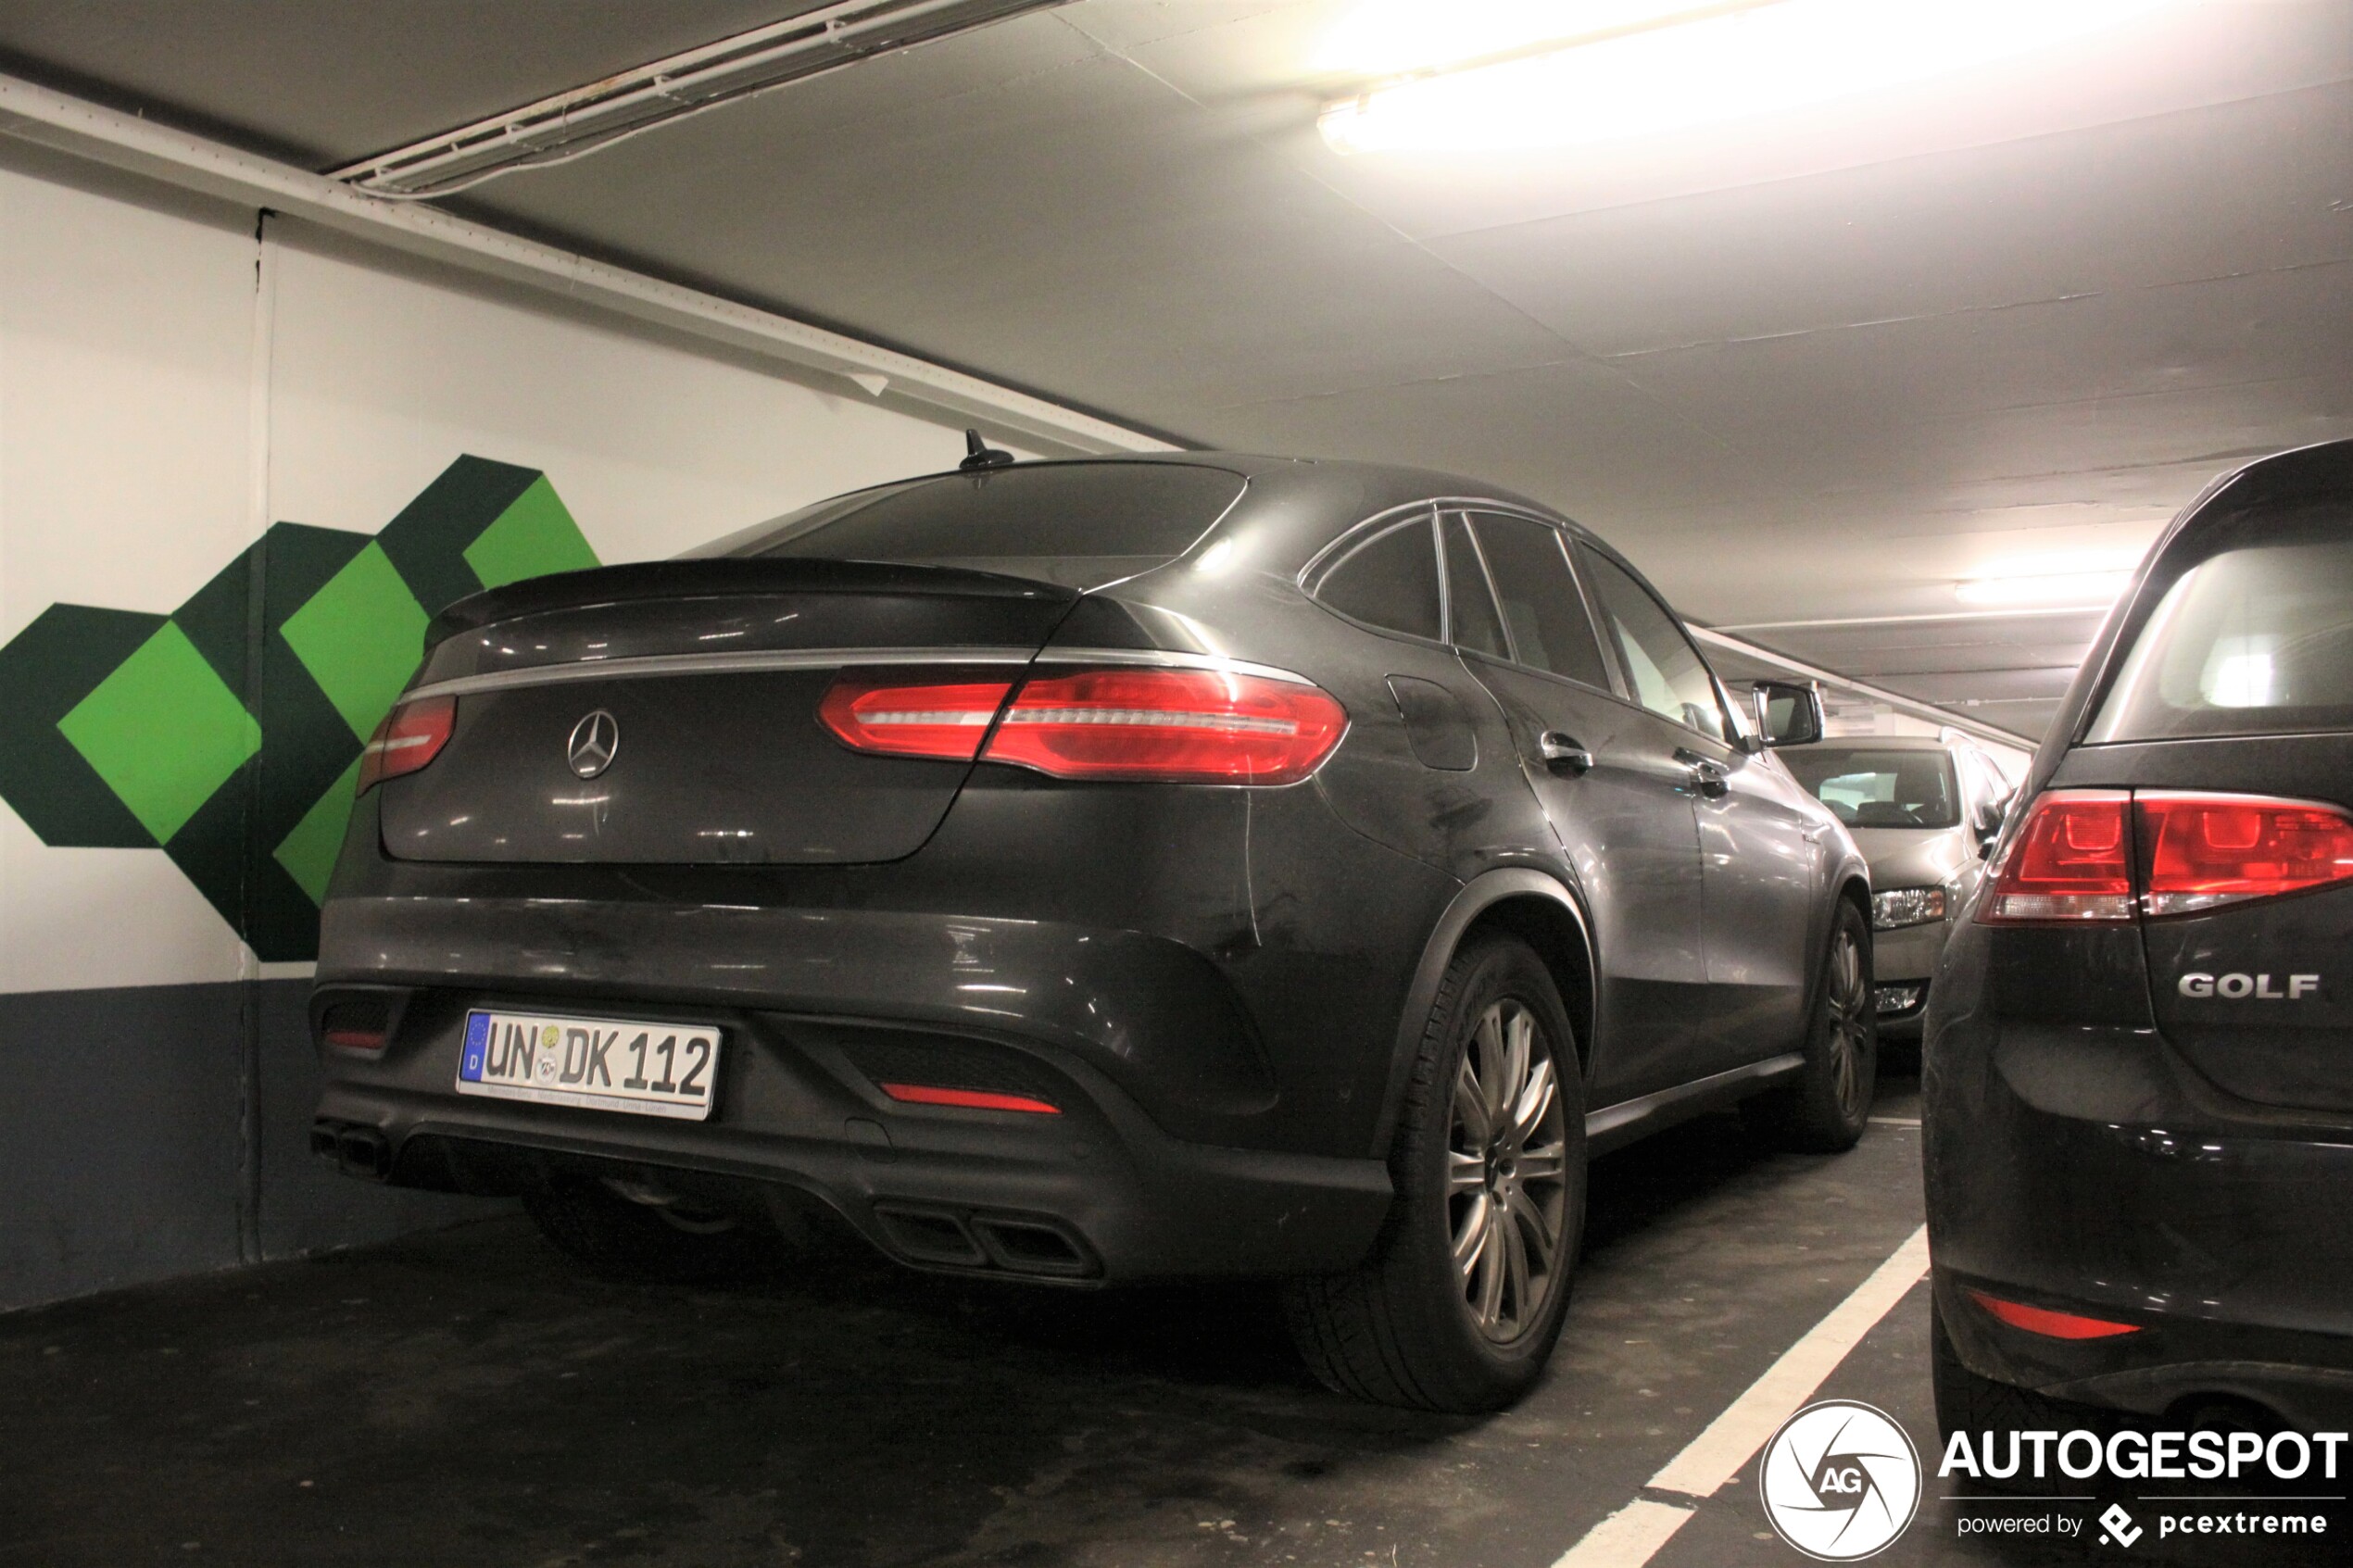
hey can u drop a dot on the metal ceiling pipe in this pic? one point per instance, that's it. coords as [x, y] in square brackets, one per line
[40, 115]
[579, 121]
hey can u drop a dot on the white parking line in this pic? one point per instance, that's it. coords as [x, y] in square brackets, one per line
[1895, 1121]
[1633, 1534]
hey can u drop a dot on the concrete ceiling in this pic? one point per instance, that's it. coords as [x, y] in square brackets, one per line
[1809, 371]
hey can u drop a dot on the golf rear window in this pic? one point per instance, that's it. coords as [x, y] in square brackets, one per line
[1138, 514]
[2253, 639]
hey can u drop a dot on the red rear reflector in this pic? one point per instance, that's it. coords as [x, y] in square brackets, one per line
[2200, 851]
[411, 735]
[357, 1039]
[968, 1100]
[941, 718]
[2071, 861]
[1178, 726]
[2048, 1324]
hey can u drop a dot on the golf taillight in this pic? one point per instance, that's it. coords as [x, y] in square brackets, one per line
[903, 718]
[2104, 855]
[1168, 726]
[2072, 861]
[1196, 726]
[2200, 851]
[411, 735]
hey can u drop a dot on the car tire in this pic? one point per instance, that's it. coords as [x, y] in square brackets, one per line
[619, 1240]
[1416, 1325]
[1966, 1402]
[1824, 1107]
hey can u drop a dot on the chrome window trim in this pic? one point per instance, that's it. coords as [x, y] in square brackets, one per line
[1379, 525]
[1310, 576]
[1155, 658]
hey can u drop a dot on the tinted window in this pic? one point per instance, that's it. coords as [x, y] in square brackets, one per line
[2252, 641]
[1880, 789]
[1471, 619]
[1136, 515]
[1392, 580]
[1541, 605]
[1665, 672]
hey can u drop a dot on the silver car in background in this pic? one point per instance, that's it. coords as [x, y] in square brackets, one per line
[1924, 811]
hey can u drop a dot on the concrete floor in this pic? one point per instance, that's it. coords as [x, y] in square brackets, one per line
[470, 1397]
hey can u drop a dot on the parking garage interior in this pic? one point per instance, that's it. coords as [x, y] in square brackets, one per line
[1885, 362]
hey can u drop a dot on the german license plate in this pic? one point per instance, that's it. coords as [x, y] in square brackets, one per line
[602, 1063]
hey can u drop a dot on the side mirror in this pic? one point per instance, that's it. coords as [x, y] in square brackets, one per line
[1989, 818]
[1788, 712]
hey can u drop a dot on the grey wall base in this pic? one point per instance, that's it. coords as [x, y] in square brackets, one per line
[165, 1130]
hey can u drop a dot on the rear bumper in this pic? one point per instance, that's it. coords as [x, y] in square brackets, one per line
[794, 1110]
[1207, 982]
[2089, 1169]
[2306, 1378]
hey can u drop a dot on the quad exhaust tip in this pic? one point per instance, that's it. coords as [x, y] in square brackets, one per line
[1033, 1245]
[355, 1151]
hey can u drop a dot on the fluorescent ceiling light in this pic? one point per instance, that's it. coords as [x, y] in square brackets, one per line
[2092, 580]
[1491, 75]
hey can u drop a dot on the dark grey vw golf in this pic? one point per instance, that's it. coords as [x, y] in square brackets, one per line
[1094, 871]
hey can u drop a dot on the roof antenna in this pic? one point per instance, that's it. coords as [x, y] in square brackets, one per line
[980, 456]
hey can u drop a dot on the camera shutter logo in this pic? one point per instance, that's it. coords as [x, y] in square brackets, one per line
[594, 742]
[1840, 1481]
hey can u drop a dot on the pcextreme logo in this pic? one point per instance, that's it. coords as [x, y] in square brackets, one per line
[227, 733]
[1841, 1481]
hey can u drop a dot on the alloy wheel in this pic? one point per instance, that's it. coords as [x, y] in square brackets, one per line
[1850, 1003]
[1507, 1172]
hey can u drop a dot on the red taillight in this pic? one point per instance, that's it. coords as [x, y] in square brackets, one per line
[2200, 851]
[2072, 861]
[2048, 1324]
[944, 720]
[1168, 726]
[1183, 726]
[411, 735]
[968, 1100]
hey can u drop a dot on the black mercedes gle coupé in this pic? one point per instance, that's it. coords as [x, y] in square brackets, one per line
[1093, 872]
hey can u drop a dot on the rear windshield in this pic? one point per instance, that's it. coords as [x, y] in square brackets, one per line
[1866, 788]
[2253, 640]
[1076, 523]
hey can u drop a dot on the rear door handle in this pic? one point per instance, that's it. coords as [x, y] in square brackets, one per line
[1563, 753]
[1707, 775]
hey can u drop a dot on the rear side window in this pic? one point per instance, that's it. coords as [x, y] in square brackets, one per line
[1541, 605]
[2256, 640]
[1134, 516]
[1390, 581]
[1665, 673]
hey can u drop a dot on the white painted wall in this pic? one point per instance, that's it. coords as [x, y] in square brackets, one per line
[171, 384]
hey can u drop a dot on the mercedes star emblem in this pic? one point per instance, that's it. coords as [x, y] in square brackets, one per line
[594, 742]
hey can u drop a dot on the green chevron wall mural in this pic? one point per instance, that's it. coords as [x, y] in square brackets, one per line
[228, 733]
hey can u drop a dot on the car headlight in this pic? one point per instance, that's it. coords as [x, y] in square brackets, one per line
[1900, 907]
